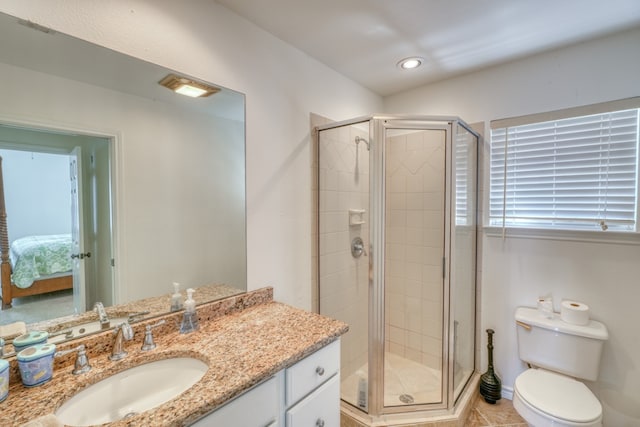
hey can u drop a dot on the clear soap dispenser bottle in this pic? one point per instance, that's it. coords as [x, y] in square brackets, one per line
[176, 298]
[189, 317]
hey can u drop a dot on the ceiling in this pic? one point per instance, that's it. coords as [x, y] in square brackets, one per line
[365, 39]
[34, 47]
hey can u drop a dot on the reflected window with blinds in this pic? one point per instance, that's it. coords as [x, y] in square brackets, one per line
[571, 173]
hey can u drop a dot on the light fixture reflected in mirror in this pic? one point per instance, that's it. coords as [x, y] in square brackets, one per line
[188, 87]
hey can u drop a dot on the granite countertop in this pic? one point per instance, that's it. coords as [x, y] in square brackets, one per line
[147, 307]
[244, 339]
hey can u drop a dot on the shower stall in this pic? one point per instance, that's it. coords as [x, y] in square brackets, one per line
[397, 260]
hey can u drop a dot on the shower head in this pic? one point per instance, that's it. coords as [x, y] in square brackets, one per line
[359, 140]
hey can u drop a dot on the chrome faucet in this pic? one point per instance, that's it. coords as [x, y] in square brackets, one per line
[81, 364]
[102, 314]
[148, 343]
[122, 332]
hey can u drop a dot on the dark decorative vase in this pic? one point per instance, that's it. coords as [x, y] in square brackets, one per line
[490, 385]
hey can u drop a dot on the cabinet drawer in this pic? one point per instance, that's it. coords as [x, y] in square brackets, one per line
[257, 407]
[311, 371]
[320, 409]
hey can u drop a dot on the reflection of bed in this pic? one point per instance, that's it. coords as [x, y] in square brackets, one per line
[49, 276]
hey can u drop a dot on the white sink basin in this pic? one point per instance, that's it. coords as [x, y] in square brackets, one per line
[131, 392]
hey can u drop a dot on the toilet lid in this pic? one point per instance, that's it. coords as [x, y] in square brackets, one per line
[559, 396]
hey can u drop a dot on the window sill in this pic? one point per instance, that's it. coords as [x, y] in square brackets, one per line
[614, 237]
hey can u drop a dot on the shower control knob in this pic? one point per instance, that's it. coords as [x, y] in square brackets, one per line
[357, 248]
[320, 422]
[320, 370]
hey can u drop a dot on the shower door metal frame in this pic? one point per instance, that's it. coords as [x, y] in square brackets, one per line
[458, 122]
[377, 186]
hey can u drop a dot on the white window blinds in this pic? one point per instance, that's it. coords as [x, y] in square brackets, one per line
[465, 175]
[577, 173]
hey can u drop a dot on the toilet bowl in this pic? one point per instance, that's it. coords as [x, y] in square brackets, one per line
[549, 399]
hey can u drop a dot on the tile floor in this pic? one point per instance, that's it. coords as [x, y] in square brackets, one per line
[501, 414]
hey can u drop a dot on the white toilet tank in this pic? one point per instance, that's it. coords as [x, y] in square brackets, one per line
[559, 346]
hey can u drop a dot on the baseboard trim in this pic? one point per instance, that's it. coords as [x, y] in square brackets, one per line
[507, 392]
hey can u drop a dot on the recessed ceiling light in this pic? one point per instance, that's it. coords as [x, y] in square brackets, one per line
[410, 63]
[188, 87]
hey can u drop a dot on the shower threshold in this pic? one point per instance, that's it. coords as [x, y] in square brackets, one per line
[352, 417]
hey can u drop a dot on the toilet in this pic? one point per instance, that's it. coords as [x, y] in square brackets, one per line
[549, 392]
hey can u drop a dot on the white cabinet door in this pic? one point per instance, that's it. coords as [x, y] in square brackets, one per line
[320, 409]
[257, 407]
[303, 377]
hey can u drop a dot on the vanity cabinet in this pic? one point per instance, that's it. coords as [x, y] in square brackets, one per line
[257, 407]
[305, 394]
[312, 389]
[320, 409]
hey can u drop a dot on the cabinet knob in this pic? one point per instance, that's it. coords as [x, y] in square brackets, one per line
[320, 371]
[320, 422]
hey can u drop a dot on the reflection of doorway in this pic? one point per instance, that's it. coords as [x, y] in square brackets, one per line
[94, 180]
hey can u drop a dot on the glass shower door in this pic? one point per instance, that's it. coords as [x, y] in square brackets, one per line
[463, 260]
[343, 206]
[414, 282]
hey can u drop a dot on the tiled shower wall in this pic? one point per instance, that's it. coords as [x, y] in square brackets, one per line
[343, 185]
[414, 246]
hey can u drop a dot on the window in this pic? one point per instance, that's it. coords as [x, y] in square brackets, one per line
[465, 148]
[576, 172]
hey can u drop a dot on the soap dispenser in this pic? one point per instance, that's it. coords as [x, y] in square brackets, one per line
[190, 316]
[176, 298]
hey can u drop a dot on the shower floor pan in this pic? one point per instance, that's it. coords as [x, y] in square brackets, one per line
[407, 383]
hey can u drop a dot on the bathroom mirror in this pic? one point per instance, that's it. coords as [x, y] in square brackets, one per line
[163, 175]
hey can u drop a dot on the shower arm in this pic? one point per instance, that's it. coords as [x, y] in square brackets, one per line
[360, 139]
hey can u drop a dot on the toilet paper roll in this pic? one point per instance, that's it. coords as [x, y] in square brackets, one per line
[575, 313]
